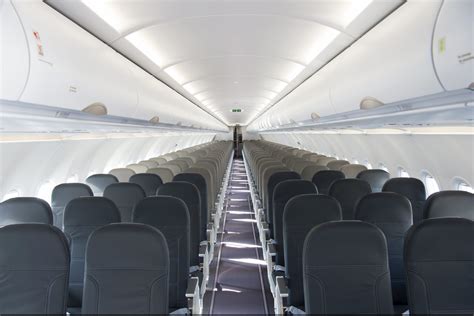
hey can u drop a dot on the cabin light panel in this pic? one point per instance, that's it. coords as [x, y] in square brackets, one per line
[255, 56]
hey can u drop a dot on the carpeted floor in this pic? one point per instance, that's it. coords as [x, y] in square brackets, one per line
[238, 283]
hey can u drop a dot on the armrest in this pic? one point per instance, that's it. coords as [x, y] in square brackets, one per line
[193, 287]
[203, 251]
[282, 287]
[265, 227]
[271, 250]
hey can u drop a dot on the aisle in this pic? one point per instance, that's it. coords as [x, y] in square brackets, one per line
[238, 284]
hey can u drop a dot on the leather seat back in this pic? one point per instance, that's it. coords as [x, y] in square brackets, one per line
[22, 210]
[125, 196]
[126, 271]
[439, 262]
[391, 213]
[62, 194]
[348, 192]
[345, 266]
[34, 270]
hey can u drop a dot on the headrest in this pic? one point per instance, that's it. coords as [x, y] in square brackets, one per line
[98, 182]
[161, 211]
[375, 177]
[91, 211]
[290, 188]
[149, 182]
[149, 164]
[440, 239]
[412, 188]
[186, 191]
[323, 161]
[194, 178]
[450, 204]
[384, 207]
[33, 246]
[309, 171]
[122, 174]
[337, 164]
[165, 174]
[25, 210]
[65, 192]
[137, 168]
[352, 170]
[349, 187]
[327, 176]
[311, 208]
[124, 193]
[343, 243]
[277, 177]
[126, 245]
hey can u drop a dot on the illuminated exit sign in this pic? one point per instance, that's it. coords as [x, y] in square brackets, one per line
[236, 110]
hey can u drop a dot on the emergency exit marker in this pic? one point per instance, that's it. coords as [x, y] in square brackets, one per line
[236, 110]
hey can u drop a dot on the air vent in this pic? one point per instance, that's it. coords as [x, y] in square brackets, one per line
[370, 103]
[155, 120]
[96, 109]
[315, 116]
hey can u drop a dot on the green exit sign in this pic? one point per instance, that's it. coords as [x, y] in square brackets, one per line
[236, 110]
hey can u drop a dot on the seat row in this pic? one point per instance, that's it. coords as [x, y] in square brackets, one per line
[334, 243]
[177, 210]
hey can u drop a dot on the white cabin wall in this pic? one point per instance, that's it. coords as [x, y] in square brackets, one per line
[446, 157]
[26, 165]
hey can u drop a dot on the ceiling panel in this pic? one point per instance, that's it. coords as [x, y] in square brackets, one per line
[226, 54]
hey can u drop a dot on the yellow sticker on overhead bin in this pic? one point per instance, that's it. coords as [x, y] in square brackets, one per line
[442, 45]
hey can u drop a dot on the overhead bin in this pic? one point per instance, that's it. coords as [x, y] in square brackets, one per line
[398, 59]
[54, 62]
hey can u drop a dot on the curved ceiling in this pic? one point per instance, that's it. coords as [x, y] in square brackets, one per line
[234, 54]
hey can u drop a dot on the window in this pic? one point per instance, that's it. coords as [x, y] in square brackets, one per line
[383, 167]
[10, 195]
[72, 179]
[45, 190]
[462, 185]
[368, 164]
[402, 173]
[430, 183]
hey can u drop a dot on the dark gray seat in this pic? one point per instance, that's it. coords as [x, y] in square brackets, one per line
[303, 213]
[98, 182]
[324, 178]
[62, 194]
[439, 260]
[25, 210]
[125, 195]
[170, 216]
[413, 189]
[34, 269]
[149, 182]
[391, 213]
[189, 194]
[81, 217]
[126, 271]
[348, 192]
[450, 204]
[283, 192]
[345, 268]
[375, 177]
[199, 181]
[273, 181]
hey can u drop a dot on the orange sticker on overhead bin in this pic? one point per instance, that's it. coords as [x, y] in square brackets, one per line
[36, 35]
[40, 49]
